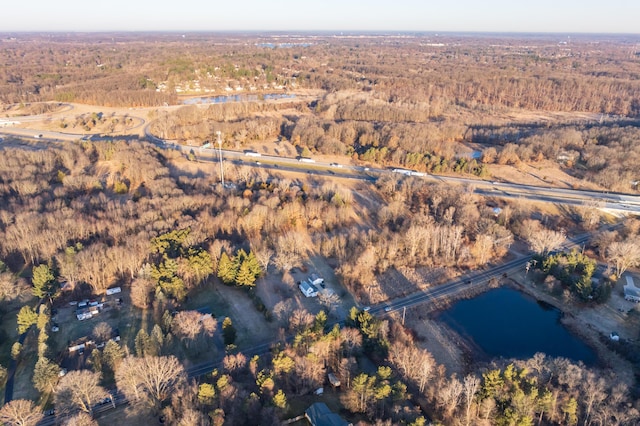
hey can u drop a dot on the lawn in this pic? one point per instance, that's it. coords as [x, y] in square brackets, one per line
[8, 335]
[235, 303]
[22, 385]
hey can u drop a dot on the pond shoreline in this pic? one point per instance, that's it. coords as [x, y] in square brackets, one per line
[569, 319]
[508, 323]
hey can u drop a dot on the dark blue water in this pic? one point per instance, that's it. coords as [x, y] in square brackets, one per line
[236, 98]
[505, 323]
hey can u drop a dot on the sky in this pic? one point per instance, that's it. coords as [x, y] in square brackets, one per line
[564, 16]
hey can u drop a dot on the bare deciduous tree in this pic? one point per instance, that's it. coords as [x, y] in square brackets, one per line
[12, 288]
[351, 340]
[415, 363]
[623, 255]
[80, 390]
[150, 378]
[20, 412]
[300, 319]
[471, 384]
[81, 419]
[234, 362]
[142, 292]
[328, 299]
[187, 325]
[541, 239]
[448, 399]
[102, 332]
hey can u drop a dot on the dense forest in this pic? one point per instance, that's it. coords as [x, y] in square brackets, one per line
[432, 76]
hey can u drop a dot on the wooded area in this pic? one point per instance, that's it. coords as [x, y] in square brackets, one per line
[78, 218]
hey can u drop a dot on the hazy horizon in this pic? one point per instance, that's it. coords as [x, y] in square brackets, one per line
[468, 16]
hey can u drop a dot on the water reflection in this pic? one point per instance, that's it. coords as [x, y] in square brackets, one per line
[505, 323]
[237, 98]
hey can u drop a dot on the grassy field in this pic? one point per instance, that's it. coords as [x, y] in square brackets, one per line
[8, 334]
[232, 302]
[22, 385]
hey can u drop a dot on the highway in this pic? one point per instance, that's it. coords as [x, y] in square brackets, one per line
[612, 201]
[621, 203]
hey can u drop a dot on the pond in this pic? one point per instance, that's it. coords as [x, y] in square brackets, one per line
[237, 98]
[505, 323]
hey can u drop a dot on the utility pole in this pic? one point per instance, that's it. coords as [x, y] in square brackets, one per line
[404, 311]
[220, 151]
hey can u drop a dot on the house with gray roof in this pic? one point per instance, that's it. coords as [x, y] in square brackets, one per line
[319, 414]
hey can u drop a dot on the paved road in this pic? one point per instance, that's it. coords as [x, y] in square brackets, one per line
[623, 203]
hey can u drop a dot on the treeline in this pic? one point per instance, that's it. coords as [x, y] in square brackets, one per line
[240, 122]
[426, 147]
[419, 225]
[605, 154]
[122, 70]
[409, 80]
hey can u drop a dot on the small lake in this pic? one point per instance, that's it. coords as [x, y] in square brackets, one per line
[237, 98]
[505, 323]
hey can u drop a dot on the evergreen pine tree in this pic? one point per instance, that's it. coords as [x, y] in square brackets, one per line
[226, 269]
[156, 341]
[254, 265]
[142, 343]
[112, 354]
[244, 276]
[26, 318]
[280, 399]
[43, 281]
[45, 375]
[228, 331]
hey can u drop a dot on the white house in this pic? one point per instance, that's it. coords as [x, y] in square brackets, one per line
[315, 279]
[308, 289]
